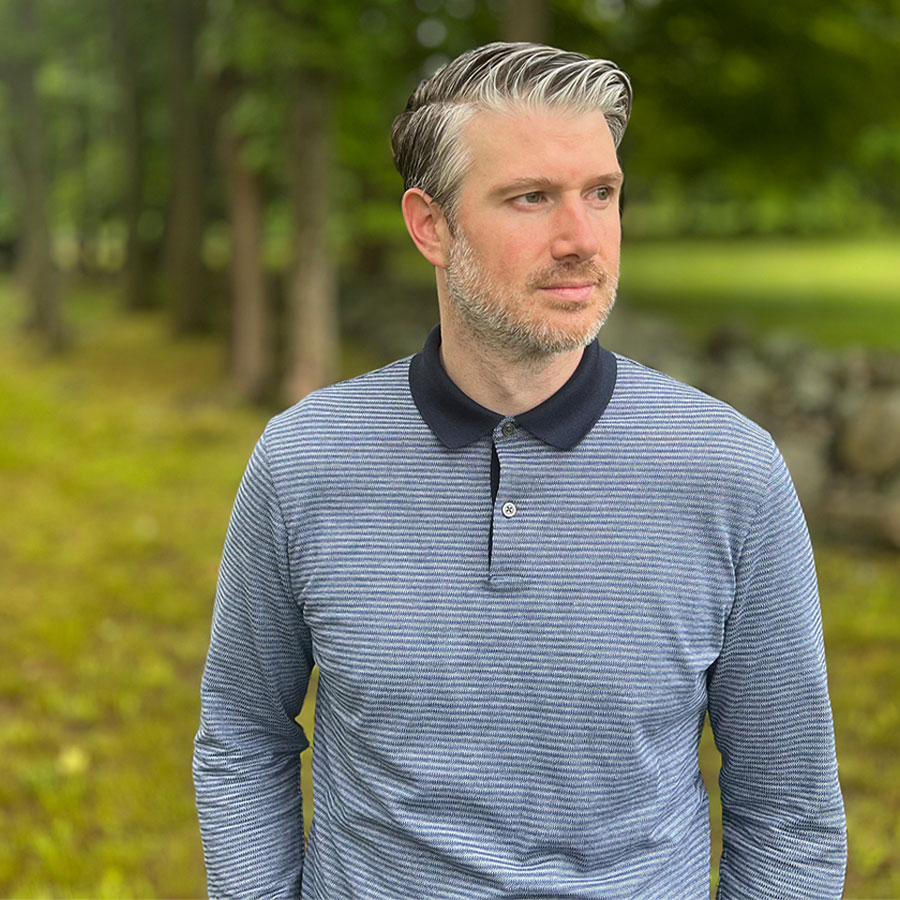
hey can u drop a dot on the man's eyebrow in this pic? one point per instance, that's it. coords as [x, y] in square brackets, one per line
[540, 183]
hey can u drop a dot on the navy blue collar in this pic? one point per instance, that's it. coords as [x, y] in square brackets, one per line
[562, 420]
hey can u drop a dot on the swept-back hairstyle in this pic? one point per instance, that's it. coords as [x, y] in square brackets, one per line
[426, 137]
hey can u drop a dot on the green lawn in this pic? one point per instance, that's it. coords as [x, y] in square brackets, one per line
[118, 466]
[835, 292]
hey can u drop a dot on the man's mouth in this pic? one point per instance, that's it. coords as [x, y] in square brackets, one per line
[570, 291]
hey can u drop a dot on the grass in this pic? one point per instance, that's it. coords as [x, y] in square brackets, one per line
[835, 292]
[118, 466]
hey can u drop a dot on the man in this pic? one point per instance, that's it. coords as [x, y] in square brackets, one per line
[525, 566]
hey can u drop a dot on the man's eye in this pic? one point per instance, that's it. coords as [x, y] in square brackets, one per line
[603, 193]
[532, 198]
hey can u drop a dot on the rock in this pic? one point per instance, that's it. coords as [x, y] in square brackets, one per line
[869, 441]
[854, 370]
[645, 338]
[853, 514]
[848, 404]
[726, 339]
[866, 515]
[810, 385]
[891, 517]
[885, 369]
[679, 366]
[745, 383]
[835, 415]
[805, 450]
[781, 348]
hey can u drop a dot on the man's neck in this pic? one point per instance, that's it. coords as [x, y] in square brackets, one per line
[506, 386]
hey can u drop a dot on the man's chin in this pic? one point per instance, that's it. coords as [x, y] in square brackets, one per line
[572, 335]
[552, 341]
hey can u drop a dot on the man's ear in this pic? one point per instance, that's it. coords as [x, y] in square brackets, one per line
[426, 226]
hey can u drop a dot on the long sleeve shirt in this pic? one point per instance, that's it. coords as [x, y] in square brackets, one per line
[512, 687]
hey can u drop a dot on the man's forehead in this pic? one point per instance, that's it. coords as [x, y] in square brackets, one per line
[506, 145]
[534, 120]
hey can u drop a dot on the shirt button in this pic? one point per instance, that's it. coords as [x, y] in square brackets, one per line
[508, 429]
[508, 509]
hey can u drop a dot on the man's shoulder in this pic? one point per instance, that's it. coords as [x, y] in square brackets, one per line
[655, 392]
[681, 414]
[345, 409]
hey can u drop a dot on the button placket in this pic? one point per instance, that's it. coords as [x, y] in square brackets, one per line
[507, 429]
[507, 554]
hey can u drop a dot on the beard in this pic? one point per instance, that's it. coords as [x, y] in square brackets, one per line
[514, 323]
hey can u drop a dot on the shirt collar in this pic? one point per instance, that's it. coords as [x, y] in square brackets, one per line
[562, 420]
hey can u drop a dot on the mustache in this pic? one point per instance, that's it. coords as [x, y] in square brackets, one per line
[587, 271]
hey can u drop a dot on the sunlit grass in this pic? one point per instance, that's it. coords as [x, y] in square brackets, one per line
[835, 292]
[118, 467]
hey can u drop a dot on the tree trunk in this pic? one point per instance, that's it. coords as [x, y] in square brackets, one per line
[136, 288]
[526, 20]
[250, 357]
[183, 261]
[312, 347]
[37, 271]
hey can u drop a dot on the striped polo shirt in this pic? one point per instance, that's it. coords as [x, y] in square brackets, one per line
[519, 623]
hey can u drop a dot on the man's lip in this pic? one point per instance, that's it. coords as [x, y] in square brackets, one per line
[570, 292]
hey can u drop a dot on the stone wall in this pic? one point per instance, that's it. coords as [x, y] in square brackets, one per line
[835, 415]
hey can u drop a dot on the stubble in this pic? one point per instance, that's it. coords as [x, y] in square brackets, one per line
[511, 323]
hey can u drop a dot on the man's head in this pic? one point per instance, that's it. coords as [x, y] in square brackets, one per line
[427, 136]
[513, 184]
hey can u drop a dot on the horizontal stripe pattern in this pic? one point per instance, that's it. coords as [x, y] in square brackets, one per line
[522, 724]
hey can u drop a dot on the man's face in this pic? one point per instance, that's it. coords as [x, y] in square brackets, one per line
[533, 264]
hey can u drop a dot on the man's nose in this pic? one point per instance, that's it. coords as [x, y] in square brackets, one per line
[575, 231]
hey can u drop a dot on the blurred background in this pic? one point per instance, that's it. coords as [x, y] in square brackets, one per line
[199, 224]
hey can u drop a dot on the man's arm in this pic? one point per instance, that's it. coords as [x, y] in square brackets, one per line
[782, 812]
[246, 753]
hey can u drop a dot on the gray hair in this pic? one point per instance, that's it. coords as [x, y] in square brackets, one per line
[428, 151]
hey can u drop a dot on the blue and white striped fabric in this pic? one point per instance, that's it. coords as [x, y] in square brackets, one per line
[523, 726]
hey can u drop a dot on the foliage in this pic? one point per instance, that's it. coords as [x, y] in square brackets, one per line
[758, 111]
[757, 104]
[79, 88]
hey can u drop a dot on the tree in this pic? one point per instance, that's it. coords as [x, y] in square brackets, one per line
[183, 261]
[313, 351]
[764, 107]
[251, 338]
[28, 140]
[526, 20]
[126, 55]
[299, 51]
